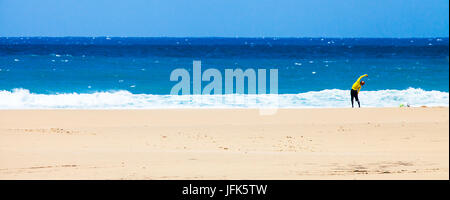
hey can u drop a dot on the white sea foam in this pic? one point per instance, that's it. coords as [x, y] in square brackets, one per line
[333, 98]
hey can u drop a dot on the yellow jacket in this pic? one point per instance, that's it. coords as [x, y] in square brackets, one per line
[357, 85]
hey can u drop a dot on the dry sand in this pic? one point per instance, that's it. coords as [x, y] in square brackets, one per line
[368, 143]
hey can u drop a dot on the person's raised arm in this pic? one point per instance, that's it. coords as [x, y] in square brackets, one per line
[359, 79]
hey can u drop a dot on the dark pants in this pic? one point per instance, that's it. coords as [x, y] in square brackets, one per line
[354, 94]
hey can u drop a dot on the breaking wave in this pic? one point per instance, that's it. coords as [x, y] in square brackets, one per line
[330, 98]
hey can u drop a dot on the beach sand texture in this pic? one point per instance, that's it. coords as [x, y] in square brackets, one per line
[340, 143]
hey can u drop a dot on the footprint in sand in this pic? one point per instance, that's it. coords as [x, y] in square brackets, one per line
[51, 130]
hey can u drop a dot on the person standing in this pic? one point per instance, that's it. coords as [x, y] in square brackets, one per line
[356, 87]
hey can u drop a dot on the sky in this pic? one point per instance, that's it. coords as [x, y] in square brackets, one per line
[225, 18]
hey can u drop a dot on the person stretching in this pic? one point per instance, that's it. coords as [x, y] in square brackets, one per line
[355, 89]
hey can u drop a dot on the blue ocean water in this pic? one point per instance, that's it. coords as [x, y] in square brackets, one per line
[104, 72]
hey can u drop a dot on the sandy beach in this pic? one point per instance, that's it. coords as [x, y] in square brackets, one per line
[367, 143]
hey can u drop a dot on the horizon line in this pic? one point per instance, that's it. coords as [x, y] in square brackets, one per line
[228, 37]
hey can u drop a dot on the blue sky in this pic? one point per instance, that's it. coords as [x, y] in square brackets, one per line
[225, 18]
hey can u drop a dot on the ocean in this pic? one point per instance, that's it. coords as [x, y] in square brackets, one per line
[133, 73]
